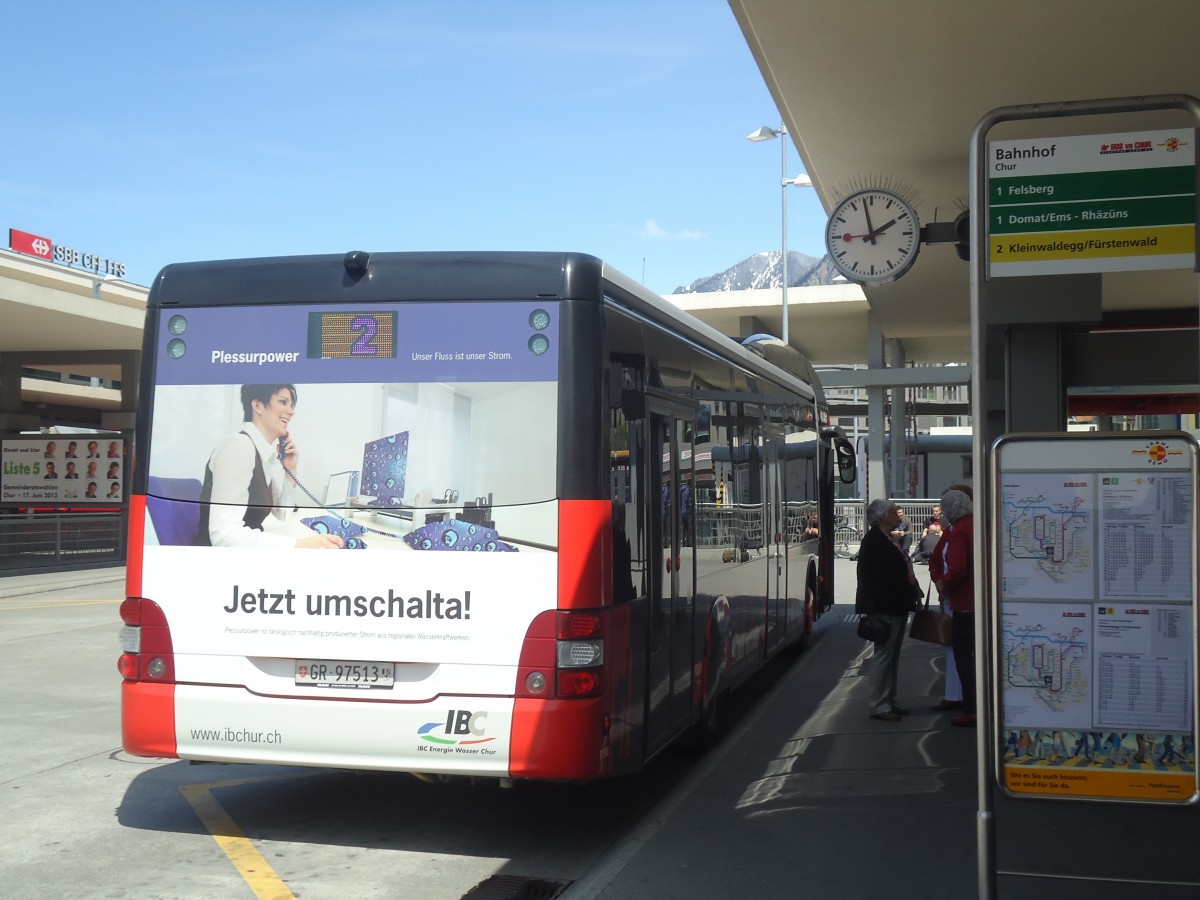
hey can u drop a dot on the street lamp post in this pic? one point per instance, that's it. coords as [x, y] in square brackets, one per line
[766, 134]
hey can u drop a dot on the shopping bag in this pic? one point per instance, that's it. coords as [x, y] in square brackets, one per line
[930, 625]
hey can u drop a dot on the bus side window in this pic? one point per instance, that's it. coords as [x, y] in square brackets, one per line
[627, 530]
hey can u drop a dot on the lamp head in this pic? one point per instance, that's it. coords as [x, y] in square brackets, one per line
[765, 134]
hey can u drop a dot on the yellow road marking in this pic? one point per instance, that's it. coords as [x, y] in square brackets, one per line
[240, 850]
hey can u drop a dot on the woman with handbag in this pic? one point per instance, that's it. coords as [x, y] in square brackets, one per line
[887, 588]
[953, 572]
[952, 690]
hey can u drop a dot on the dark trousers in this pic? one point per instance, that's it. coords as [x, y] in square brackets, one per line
[963, 640]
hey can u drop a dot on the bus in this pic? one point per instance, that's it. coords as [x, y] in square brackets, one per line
[567, 518]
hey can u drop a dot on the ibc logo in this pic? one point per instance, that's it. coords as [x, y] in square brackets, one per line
[462, 721]
[461, 727]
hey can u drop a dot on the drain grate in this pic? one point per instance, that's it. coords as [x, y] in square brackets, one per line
[516, 887]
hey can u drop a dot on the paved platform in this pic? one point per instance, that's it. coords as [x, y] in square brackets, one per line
[810, 797]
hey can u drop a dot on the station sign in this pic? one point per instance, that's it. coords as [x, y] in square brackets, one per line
[44, 248]
[1092, 203]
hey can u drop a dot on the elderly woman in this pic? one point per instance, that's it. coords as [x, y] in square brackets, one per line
[887, 585]
[951, 567]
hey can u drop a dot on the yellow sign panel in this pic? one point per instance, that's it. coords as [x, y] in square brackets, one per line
[1163, 240]
[1126, 784]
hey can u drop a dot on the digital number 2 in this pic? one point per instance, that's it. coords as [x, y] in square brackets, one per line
[365, 328]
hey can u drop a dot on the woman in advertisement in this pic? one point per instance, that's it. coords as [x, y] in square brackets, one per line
[250, 473]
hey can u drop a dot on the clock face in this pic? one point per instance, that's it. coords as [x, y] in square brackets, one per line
[873, 236]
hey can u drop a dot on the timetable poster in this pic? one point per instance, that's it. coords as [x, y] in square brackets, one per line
[1095, 616]
[76, 469]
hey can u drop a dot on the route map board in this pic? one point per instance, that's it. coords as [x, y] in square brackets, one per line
[1094, 541]
[1092, 203]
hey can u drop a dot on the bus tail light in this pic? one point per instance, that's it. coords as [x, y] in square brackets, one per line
[578, 624]
[148, 654]
[563, 656]
[580, 683]
[579, 654]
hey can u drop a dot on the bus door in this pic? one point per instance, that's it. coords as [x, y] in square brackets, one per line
[774, 535]
[778, 535]
[669, 656]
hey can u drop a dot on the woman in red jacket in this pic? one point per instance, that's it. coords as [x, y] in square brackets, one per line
[953, 571]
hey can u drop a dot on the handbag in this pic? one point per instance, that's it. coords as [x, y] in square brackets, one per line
[875, 627]
[930, 625]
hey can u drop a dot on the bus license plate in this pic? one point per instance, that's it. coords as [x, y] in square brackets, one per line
[337, 673]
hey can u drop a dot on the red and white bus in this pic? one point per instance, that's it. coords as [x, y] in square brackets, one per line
[566, 517]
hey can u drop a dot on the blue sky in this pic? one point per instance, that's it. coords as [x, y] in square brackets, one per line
[151, 133]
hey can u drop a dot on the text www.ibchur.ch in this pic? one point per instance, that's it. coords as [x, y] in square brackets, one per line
[236, 736]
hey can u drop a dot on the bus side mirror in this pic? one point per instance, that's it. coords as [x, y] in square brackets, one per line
[847, 462]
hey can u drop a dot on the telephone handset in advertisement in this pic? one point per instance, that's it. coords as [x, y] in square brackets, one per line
[351, 541]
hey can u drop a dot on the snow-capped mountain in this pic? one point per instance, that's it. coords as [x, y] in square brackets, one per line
[764, 270]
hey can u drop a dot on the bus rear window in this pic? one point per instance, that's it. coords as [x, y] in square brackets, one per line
[437, 411]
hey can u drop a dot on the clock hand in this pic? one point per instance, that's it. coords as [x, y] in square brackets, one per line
[870, 235]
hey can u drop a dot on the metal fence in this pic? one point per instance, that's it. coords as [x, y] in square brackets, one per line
[728, 525]
[731, 525]
[44, 541]
[850, 520]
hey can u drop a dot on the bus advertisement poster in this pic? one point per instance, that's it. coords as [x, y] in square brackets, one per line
[278, 441]
[470, 608]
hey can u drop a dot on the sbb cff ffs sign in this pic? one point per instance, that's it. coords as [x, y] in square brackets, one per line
[44, 248]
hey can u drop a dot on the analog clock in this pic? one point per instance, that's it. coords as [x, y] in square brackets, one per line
[873, 236]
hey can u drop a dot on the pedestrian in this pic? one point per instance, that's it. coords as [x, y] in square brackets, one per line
[935, 518]
[952, 691]
[953, 572]
[899, 535]
[887, 586]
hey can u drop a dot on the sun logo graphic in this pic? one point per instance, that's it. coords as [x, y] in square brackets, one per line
[1172, 144]
[461, 727]
[1157, 453]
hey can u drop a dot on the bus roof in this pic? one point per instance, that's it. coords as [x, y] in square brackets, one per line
[417, 276]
